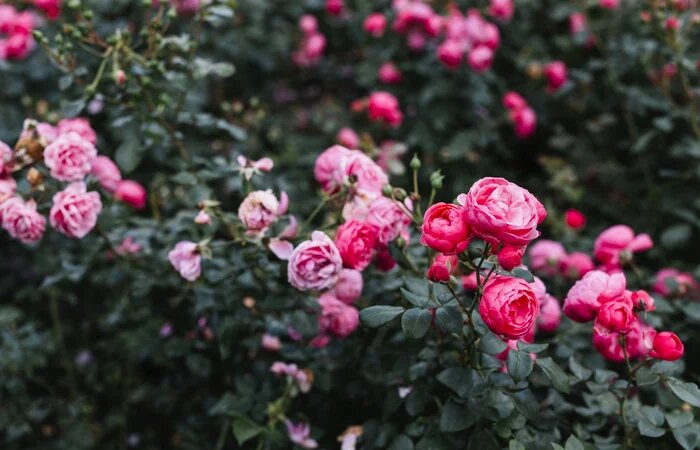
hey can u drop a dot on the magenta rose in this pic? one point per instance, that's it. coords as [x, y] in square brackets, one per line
[349, 286]
[79, 125]
[74, 211]
[330, 168]
[384, 107]
[389, 218]
[556, 74]
[499, 211]
[185, 258]
[260, 209]
[638, 342]
[21, 220]
[615, 316]
[444, 229]
[576, 265]
[314, 265]
[375, 24]
[546, 256]
[588, 294]
[502, 9]
[106, 172]
[132, 193]
[667, 346]
[337, 318]
[355, 241]
[69, 157]
[509, 307]
[616, 243]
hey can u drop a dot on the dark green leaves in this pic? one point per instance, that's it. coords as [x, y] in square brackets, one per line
[491, 344]
[416, 322]
[519, 365]
[449, 319]
[245, 429]
[556, 375]
[457, 416]
[688, 392]
[376, 316]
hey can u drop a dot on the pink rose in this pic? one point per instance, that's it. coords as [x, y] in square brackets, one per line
[509, 307]
[609, 4]
[383, 106]
[556, 74]
[639, 300]
[106, 172]
[513, 101]
[525, 121]
[79, 125]
[260, 209]
[300, 434]
[617, 243]
[369, 177]
[7, 157]
[615, 316]
[588, 294]
[500, 211]
[444, 229]
[389, 74]
[330, 168]
[576, 264]
[335, 7]
[577, 23]
[546, 256]
[672, 281]
[349, 286]
[389, 218]
[347, 138]
[502, 9]
[186, 7]
[450, 53]
[69, 157]
[8, 187]
[337, 318]
[314, 265]
[510, 257]
[21, 220]
[185, 258]
[375, 24]
[469, 282]
[271, 344]
[355, 241]
[480, 58]
[52, 8]
[308, 24]
[439, 272]
[132, 193]
[574, 219]
[74, 211]
[637, 343]
[667, 346]
[550, 314]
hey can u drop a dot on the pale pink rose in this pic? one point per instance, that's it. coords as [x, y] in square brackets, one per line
[576, 265]
[349, 286]
[368, 175]
[577, 23]
[79, 125]
[375, 24]
[337, 318]
[480, 58]
[588, 294]
[260, 209]
[389, 218]
[21, 220]
[74, 211]
[308, 24]
[248, 167]
[202, 218]
[300, 434]
[106, 172]
[314, 265]
[132, 193]
[128, 247]
[502, 212]
[347, 138]
[546, 256]
[668, 277]
[69, 157]
[389, 74]
[550, 314]
[330, 168]
[6, 159]
[617, 243]
[8, 187]
[509, 307]
[47, 132]
[270, 343]
[186, 259]
[502, 9]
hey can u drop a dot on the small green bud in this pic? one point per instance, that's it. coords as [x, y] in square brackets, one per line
[399, 194]
[386, 190]
[415, 162]
[436, 179]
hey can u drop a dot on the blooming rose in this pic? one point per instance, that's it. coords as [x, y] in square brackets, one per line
[8, 187]
[74, 211]
[330, 168]
[347, 138]
[576, 265]
[6, 159]
[369, 177]
[349, 286]
[444, 229]
[450, 53]
[388, 73]
[389, 218]
[525, 121]
[502, 9]
[480, 58]
[69, 157]
[550, 314]
[619, 242]
[375, 24]
[546, 256]
[337, 318]
[509, 307]
[500, 211]
[556, 75]
[106, 172]
[574, 219]
[355, 241]
[21, 220]
[260, 209]
[186, 259]
[672, 281]
[383, 106]
[79, 125]
[131, 193]
[615, 316]
[667, 346]
[588, 294]
[314, 264]
[637, 342]
[510, 257]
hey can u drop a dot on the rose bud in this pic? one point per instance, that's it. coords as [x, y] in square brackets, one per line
[667, 346]
[510, 257]
[574, 219]
[615, 316]
[444, 229]
[439, 272]
[131, 193]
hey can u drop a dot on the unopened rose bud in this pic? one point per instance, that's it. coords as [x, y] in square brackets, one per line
[415, 162]
[436, 180]
[120, 77]
[386, 190]
[399, 194]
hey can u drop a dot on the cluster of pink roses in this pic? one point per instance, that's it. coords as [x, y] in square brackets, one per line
[312, 44]
[16, 28]
[471, 35]
[550, 258]
[520, 114]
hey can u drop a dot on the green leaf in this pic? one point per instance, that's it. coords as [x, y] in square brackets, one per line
[462, 381]
[579, 370]
[559, 379]
[401, 442]
[653, 415]
[646, 377]
[676, 236]
[648, 429]
[376, 316]
[416, 322]
[515, 445]
[687, 437]
[449, 319]
[679, 419]
[245, 429]
[491, 344]
[457, 417]
[415, 299]
[573, 443]
[532, 348]
[521, 272]
[526, 403]
[519, 365]
[688, 392]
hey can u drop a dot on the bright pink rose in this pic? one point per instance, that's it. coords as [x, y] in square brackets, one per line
[637, 342]
[78, 125]
[8, 187]
[6, 160]
[444, 229]
[574, 219]
[337, 318]
[615, 316]
[106, 172]
[514, 101]
[69, 157]
[450, 53]
[369, 177]
[21, 220]
[439, 272]
[500, 211]
[672, 281]
[609, 4]
[502, 9]
[617, 244]
[260, 209]
[349, 286]
[588, 294]
[389, 218]
[52, 8]
[314, 265]
[375, 24]
[556, 74]
[525, 121]
[510, 257]
[335, 7]
[186, 259]
[347, 138]
[577, 23]
[480, 58]
[132, 193]
[509, 307]
[355, 241]
[576, 265]
[383, 106]
[389, 73]
[550, 314]
[546, 256]
[330, 169]
[640, 300]
[74, 211]
[16, 46]
[469, 282]
[308, 24]
[667, 346]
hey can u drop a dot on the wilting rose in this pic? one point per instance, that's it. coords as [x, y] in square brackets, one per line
[186, 259]
[314, 264]
[509, 307]
[74, 211]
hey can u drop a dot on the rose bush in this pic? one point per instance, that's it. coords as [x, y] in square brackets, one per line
[349, 224]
